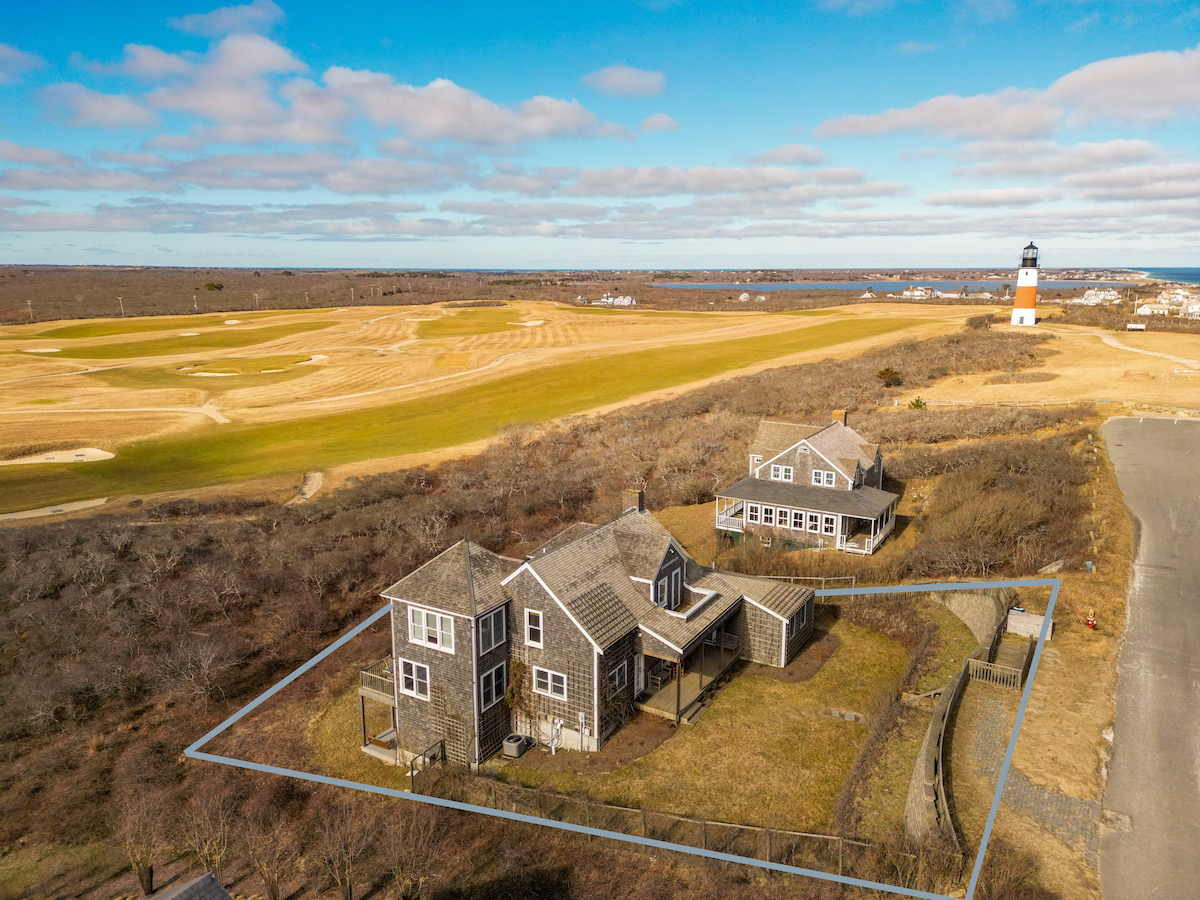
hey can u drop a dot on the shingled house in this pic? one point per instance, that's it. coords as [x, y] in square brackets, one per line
[596, 621]
[811, 486]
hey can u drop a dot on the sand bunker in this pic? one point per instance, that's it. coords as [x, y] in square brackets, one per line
[79, 454]
[43, 350]
[213, 374]
[527, 324]
[311, 359]
[269, 371]
[188, 334]
[233, 321]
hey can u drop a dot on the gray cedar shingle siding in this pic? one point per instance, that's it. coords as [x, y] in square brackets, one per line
[584, 590]
[564, 650]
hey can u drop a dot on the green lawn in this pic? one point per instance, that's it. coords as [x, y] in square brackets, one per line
[142, 324]
[208, 340]
[467, 322]
[217, 455]
[248, 372]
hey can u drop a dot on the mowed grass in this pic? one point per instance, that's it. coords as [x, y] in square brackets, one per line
[143, 324]
[240, 452]
[247, 372]
[468, 322]
[232, 339]
[763, 754]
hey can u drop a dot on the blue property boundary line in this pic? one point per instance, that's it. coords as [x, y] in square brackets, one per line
[194, 752]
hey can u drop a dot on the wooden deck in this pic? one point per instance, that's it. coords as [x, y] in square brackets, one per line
[662, 701]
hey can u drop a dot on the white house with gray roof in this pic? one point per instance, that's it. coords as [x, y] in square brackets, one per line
[560, 646]
[810, 486]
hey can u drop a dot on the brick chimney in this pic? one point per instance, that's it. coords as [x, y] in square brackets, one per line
[631, 499]
[839, 415]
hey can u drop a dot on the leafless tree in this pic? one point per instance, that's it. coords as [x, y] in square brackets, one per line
[411, 849]
[204, 828]
[139, 831]
[271, 849]
[343, 838]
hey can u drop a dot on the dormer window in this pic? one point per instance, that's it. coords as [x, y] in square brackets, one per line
[669, 589]
[755, 462]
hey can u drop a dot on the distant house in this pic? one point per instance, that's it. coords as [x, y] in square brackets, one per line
[1096, 296]
[1175, 297]
[614, 300]
[744, 297]
[869, 295]
[1192, 311]
[206, 887]
[981, 295]
[598, 620]
[810, 486]
[916, 293]
[1153, 309]
[959, 294]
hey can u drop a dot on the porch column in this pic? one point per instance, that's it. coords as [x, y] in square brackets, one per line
[362, 703]
[702, 665]
[678, 685]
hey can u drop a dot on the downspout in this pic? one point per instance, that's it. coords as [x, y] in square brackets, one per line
[395, 682]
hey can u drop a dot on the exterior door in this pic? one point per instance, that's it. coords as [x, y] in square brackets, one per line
[639, 674]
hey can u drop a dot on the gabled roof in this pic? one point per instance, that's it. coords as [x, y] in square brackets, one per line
[863, 502]
[464, 579]
[773, 438]
[841, 443]
[565, 536]
[206, 887]
[778, 597]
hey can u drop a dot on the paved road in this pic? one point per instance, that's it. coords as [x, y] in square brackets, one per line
[1154, 776]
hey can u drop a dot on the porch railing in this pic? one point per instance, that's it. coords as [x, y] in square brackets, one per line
[378, 677]
[729, 523]
[990, 673]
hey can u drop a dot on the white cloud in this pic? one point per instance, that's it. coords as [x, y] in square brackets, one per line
[84, 180]
[658, 122]
[790, 155]
[256, 16]
[1010, 112]
[1013, 196]
[13, 62]
[1048, 159]
[912, 48]
[1166, 181]
[444, 111]
[626, 81]
[1145, 88]
[37, 156]
[86, 108]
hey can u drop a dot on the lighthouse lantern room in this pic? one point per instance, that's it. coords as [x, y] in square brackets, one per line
[1025, 304]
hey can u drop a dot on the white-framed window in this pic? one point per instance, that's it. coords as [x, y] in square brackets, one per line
[781, 473]
[533, 628]
[830, 525]
[768, 515]
[550, 684]
[829, 478]
[414, 679]
[618, 678]
[753, 512]
[491, 630]
[676, 584]
[798, 520]
[796, 622]
[814, 521]
[755, 462]
[431, 629]
[663, 600]
[781, 517]
[492, 686]
[823, 477]
[818, 477]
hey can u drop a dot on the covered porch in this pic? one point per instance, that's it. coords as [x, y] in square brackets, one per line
[863, 536]
[376, 683]
[731, 514]
[674, 687]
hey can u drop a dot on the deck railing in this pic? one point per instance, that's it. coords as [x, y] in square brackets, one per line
[729, 523]
[378, 677]
[990, 673]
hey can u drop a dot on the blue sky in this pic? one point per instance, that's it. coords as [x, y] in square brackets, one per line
[662, 133]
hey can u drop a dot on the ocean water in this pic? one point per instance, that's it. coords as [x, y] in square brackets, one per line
[894, 287]
[1187, 276]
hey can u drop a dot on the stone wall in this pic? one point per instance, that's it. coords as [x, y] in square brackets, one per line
[981, 611]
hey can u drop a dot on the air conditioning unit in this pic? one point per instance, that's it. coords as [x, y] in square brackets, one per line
[515, 745]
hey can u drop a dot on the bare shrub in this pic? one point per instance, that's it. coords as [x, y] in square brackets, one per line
[140, 833]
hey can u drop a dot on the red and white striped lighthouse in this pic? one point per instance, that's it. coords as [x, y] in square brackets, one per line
[1025, 303]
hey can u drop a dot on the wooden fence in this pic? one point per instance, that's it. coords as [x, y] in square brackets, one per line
[824, 852]
[990, 673]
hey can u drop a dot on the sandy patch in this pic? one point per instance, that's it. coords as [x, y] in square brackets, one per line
[188, 334]
[43, 350]
[527, 324]
[269, 371]
[233, 321]
[52, 510]
[79, 454]
[213, 374]
[311, 359]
